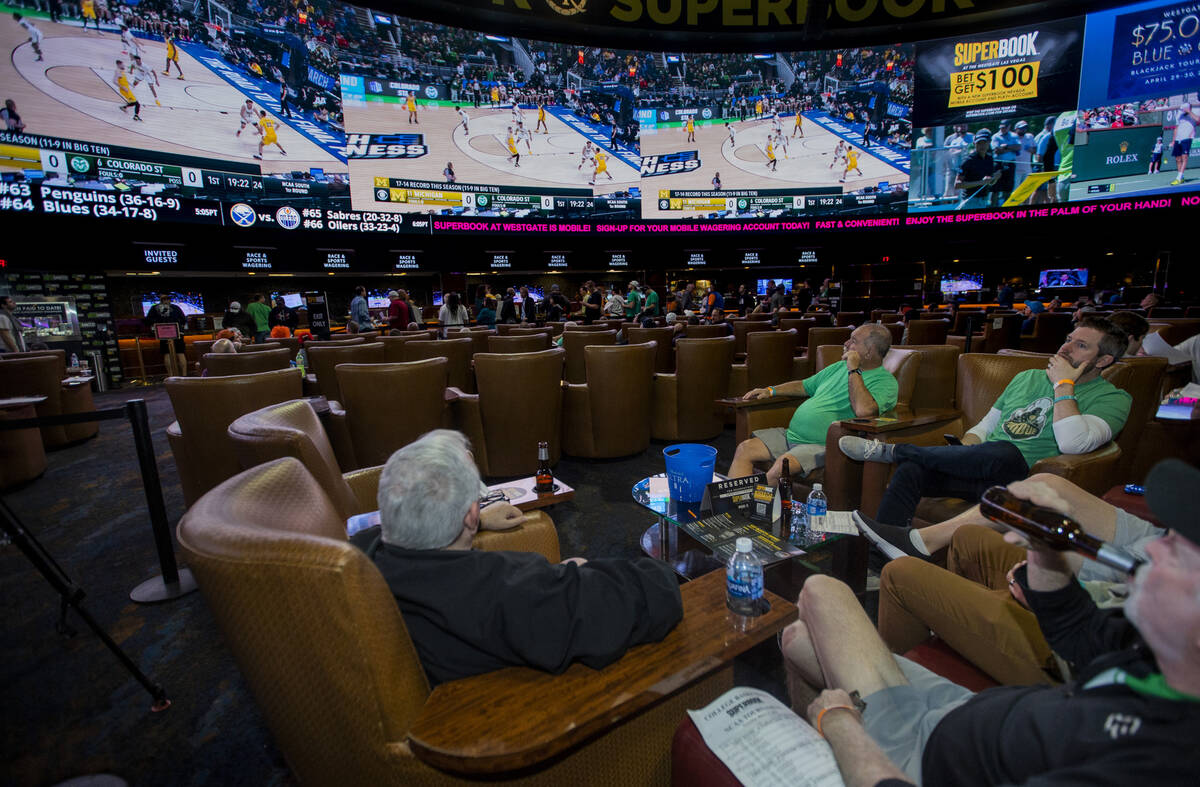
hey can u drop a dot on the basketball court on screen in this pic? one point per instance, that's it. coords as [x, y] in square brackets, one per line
[70, 94]
[742, 164]
[551, 160]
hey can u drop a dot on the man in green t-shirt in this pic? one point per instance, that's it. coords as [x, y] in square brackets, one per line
[856, 386]
[650, 307]
[261, 313]
[633, 301]
[1066, 409]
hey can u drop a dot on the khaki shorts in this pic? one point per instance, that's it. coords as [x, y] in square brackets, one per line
[809, 456]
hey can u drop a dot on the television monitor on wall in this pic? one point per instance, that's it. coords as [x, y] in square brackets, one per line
[378, 299]
[1063, 277]
[189, 302]
[762, 285]
[954, 283]
[293, 300]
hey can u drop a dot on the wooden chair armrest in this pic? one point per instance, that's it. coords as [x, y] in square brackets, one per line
[779, 400]
[889, 423]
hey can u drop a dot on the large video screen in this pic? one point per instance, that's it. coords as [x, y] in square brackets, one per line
[328, 116]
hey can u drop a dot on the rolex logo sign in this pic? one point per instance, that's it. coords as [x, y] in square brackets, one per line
[567, 7]
[1123, 155]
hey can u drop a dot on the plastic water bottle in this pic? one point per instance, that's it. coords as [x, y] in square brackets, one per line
[743, 585]
[817, 506]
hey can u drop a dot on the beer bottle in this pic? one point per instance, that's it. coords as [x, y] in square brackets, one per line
[785, 499]
[544, 480]
[1051, 529]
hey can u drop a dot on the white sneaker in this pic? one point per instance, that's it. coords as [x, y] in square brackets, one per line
[864, 450]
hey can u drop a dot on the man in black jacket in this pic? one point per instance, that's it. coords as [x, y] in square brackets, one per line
[283, 315]
[470, 611]
[1132, 712]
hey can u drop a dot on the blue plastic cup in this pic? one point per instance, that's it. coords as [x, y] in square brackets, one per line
[689, 470]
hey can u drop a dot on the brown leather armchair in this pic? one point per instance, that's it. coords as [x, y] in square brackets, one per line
[609, 414]
[928, 331]
[258, 348]
[574, 343]
[820, 319]
[41, 373]
[518, 405]
[226, 364]
[741, 329]
[322, 644]
[322, 360]
[386, 406]
[706, 331]
[292, 429]
[194, 351]
[518, 344]
[683, 401]
[770, 360]
[1050, 330]
[22, 455]
[204, 408]
[663, 338]
[393, 346]
[805, 366]
[802, 325]
[1000, 332]
[853, 319]
[457, 352]
[340, 340]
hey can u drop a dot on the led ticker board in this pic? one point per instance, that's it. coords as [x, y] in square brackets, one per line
[1077, 110]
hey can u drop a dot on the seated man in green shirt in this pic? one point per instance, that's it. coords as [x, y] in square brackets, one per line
[1067, 408]
[855, 387]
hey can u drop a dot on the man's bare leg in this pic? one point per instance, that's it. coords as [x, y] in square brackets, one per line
[835, 645]
[1092, 513]
[748, 452]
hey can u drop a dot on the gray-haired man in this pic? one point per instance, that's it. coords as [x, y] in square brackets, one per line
[472, 611]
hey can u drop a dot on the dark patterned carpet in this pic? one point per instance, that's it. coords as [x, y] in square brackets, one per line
[69, 706]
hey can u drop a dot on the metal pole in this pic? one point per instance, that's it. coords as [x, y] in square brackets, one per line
[173, 582]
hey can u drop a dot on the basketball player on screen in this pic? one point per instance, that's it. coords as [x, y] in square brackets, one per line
[462, 114]
[851, 164]
[691, 130]
[601, 167]
[514, 155]
[142, 73]
[838, 152]
[172, 54]
[586, 154]
[87, 10]
[35, 35]
[799, 127]
[526, 135]
[266, 127]
[410, 104]
[121, 83]
[541, 124]
[772, 162]
[248, 117]
[732, 135]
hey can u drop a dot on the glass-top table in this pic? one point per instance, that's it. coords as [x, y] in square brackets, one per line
[788, 558]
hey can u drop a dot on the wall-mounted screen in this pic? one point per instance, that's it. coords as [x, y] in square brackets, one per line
[953, 283]
[189, 302]
[293, 300]
[1063, 277]
[378, 299]
[768, 286]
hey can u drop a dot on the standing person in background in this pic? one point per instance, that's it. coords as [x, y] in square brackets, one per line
[593, 305]
[399, 314]
[487, 314]
[559, 305]
[482, 293]
[165, 312]
[453, 314]
[1185, 131]
[11, 338]
[508, 307]
[359, 311]
[633, 302]
[650, 306]
[746, 300]
[528, 307]
[615, 305]
[282, 315]
[238, 320]
[261, 313]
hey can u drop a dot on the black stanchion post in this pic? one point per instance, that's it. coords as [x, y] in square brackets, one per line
[174, 582]
[970, 332]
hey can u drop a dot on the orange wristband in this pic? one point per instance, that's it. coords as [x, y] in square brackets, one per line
[1064, 382]
[821, 715]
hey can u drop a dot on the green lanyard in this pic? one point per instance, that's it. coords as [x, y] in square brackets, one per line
[1153, 685]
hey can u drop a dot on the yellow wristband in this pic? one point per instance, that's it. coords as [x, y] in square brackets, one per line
[1064, 382]
[821, 715]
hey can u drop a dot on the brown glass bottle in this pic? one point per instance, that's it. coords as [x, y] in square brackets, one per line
[543, 479]
[785, 499]
[1051, 529]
